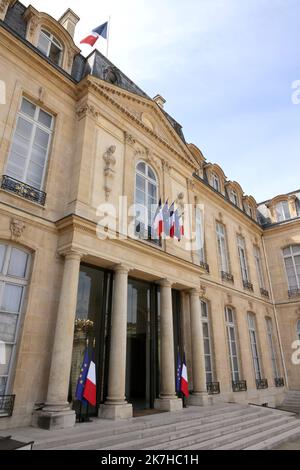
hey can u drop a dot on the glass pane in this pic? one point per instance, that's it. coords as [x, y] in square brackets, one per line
[296, 249]
[140, 182]
[35, 175]
[287, 251]
[141, 167]
[2, 255]
[41, 139]
[207, 363]
[233, 348]
[206, 347]
[4, 368]
[205, 330]
[151, 174]
[204, 309]
[8, 325]
[152, 191]
[45, 118]
[44, 43]
[28, 108]
[12, 298]
[235, 363]
[140, 197]
[2, 385]
[17, 263]
[24, 128]
[55, 54]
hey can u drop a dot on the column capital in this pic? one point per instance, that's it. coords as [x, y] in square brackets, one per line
[195, 292]
[165, 283]
[121, 269]
[72, 254]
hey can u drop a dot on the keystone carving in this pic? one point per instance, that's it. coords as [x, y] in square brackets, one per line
[17, 228]
[87, 110]
[129, 139]
[109, 172]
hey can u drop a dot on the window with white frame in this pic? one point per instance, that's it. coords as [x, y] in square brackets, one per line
[50, 46]
[215, 182]
[27, 160]
[243, 258]
[272, 347]
[200, 234]
[232, 344]
[282, 211]
[207, 340]
[291, 256]
[146, 199]
[259, 267]
[298, 329]
[234, 197]
[14, 270]
[254, 346]
[222, 247]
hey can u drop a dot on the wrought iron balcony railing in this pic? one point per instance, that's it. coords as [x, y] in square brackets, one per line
[279, 382]
[264, 293]
[213, 388]
[239, 386]
[227, 276]
[294, 292]
[6, 405]
[204, 266]
[23, 190]
[261, 384]
[247, 285]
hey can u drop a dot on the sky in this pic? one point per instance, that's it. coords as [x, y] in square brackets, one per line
[225, 68]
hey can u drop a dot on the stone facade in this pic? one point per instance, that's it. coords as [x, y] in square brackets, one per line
[105, 125]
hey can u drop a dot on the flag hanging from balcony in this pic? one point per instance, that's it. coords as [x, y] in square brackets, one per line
[184, 385]
[95, 34]
[90, 385]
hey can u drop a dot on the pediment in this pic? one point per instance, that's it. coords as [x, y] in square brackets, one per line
[147, 114]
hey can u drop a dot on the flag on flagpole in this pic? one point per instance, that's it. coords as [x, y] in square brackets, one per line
[181, 225]
[172, 220]
[90, 385]
[178, 373]
[82, 377]
[95, 34]
[184, 385]
[158, 220]
[166, 219]
[177, 226]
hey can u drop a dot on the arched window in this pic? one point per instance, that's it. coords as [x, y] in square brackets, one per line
[298, 329]
[50, 46]
[291, 256]
[146, 200]
[234, 197]
[207, 340]
[215, 182]
[232, 343]
[282, 211]
[254, 346]
[14, 270]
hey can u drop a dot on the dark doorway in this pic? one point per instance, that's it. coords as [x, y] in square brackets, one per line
[142, 345]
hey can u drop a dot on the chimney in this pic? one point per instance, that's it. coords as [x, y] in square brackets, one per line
[160, 101]
[69, 21]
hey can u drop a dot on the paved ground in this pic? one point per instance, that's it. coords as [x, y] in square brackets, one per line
[290, 445]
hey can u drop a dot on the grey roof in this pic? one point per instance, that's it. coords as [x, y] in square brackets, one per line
[264, 214]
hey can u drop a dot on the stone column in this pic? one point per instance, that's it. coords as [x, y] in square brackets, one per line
[200, 395]
[116, 406]
[56, 412]
[167, 400]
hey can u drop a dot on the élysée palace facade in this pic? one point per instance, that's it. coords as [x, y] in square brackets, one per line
[76, 133]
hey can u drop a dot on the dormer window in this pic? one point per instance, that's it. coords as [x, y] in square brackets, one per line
[50, 46]
[234, 197]
[215, 182]
[282, 211]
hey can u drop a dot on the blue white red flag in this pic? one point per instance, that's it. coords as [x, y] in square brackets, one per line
[184, 386]
[178, 373]
[90, 385]
[82, 377]
[95, 34]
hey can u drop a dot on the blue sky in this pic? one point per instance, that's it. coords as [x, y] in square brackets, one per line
[226, 69]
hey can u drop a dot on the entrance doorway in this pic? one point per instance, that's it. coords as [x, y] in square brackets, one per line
[142, 370]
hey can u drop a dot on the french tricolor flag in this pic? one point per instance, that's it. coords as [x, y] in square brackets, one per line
[93, 37]
[90, 385]
[184, 379]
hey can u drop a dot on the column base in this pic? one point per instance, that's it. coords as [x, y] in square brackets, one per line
[168, 404]
[115, 411]
[199, 399]
[51, 420]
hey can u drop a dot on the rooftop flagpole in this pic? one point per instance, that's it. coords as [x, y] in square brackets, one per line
[108, 36]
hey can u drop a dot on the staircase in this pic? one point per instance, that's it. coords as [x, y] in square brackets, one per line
[291, 401]
[223, 426]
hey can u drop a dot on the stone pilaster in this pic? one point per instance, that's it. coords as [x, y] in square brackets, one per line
[56, 412]
[116, 406]
[167, 398]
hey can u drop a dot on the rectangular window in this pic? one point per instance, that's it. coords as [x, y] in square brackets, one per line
[232, 344]
[208, 357]
[243, 258]
[282, 211]
[222, 248]
[272, 347]
[200, 235]
[29, 151]
[254, 346]
[292, 264]
[259, 267]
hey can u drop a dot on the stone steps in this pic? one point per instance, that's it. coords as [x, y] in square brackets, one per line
[291, 401]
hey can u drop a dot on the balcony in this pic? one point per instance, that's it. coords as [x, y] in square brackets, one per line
[265, 293]
[213, 388]
[145, 233]
[279, 382]
[247, 285]
[6, 405]
[261, 384]
[204, 266]
[23, 190]
[227, 276]
[294, 292]
[239, 386]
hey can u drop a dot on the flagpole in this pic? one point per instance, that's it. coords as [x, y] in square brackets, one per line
[108, 36]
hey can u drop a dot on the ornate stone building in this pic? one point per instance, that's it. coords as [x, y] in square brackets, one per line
[75, 134]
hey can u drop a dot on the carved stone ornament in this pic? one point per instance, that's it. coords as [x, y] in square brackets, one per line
[148, 157]
[33, 25]
[129, 139]
[166, 166]
[180, 200]
[109, 172]
[202, 290]
[17, 228]
[87, 110]
[190, 184]
[3, 5]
